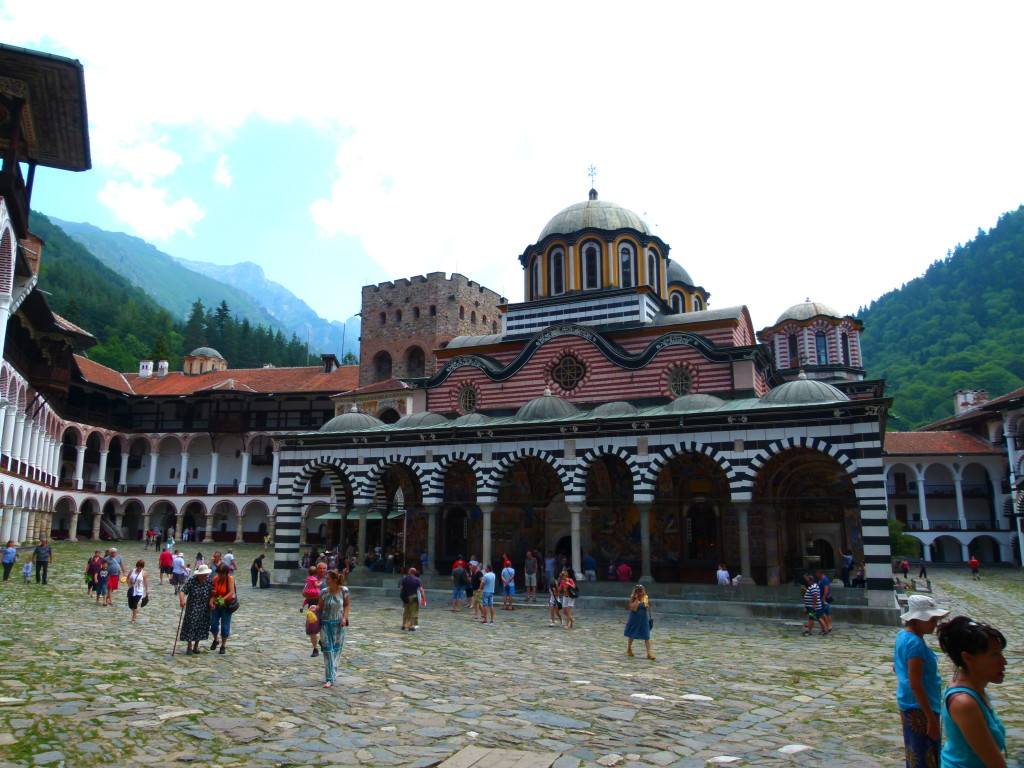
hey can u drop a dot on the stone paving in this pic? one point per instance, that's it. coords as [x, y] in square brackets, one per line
[80, 686]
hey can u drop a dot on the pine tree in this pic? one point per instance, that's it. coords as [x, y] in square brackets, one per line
[194, 334]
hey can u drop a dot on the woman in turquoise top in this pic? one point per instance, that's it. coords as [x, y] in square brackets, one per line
[975, 737]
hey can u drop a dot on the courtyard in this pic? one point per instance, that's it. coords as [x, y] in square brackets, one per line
[81, 686]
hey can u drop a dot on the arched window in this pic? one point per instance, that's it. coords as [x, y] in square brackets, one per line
[415, 313]
[195, 473]
[415, 362]
[627, 266]
[382, 366]
[556, 271]
[173, 471]
[652, 268]
[383, 318]
[845, 342]
[433, 310]
[462, 313]
[794, 351]
[677, 303]
[698, 305]
[591, 266]
[821, 348]
[533, 289]
[494, 326]
[472, 317]
[398, 315]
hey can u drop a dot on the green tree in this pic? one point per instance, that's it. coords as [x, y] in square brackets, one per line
[194, 334]
[161, 349]
[900, 543]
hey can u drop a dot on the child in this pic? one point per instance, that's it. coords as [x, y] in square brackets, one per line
[312, 589]
[26, 570]
[101, 579]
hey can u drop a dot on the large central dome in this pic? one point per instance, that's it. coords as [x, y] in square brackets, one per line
[595, 213]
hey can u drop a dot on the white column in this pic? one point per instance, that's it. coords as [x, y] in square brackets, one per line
[79, 465]
[243, 481]
[486, 509]
[73, 532]
[26, 516]
[15, 534]
[209, 527]
[8, 434]
[5, 525]
[153, 460]
[238, 527]
[743, 523]
[922, 504]
[275, 470]
[214, 462]
[19, 433]
[47, 460]
[574, 530]
[959, 488]
[103, 471]
[362, 535]
[122, 480]
[431, 512]
[5, 315]
[55, 459]
[183, 472]
[645, 542]
[32, 457]
[26, 441]
[965, 550]
[97, 516]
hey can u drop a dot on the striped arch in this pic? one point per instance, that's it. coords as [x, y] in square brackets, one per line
[493, 482]
[779, 446]
[435, 490]
[648, 482]
[334, 469]
[372, 477]
[584, 462]
[80, 436]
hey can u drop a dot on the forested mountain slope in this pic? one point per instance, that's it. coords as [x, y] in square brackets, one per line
[959, 326]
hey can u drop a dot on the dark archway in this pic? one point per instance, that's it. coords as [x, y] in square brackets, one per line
[613, 517]
[522, 518]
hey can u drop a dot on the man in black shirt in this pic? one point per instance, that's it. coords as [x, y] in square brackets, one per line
[43, 556]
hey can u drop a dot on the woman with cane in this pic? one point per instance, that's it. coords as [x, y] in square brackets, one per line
[195, 602]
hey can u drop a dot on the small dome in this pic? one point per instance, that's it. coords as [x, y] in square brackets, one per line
[599, 214]
[694, 402]
[420, 419]
[351, 421]
[471, 420]
[806, 310]
[614, 408]
[803, 391]
[205, 352]
[676, 273]
[547, 406]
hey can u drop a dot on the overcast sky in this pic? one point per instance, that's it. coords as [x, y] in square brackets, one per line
[782, 150]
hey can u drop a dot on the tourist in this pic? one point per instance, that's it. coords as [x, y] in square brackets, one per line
[530, 566]
[846, 566]
[138, 589]
[410, 589]
[115, 567]
[470, 588]
[922, 570]
[215, 562]
[255, 570]
[459, 584]
[43, 555]
[975, 736]
[722, 575]
[638, 625]
[589, 565]
[91, 568]
[26, 571]
[549, 568]
[229, 560]
[101, 580]
[194, 598]
[9, 558]
[624, 572]
[487, 594]
[266, 541]
[905, 569]
[859, 581]
[825, 588]
[476, 582]
[919, 687]
[333, 609]
[812, 604]
[199, 559]
[165, 562]
[554, 603]
[311, 591]
[568, 593]
[178, 575]
[973, 562]
[508, 585]
[221, 597]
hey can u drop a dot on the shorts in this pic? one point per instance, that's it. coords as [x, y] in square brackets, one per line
[101, 589]
[531, 579]
[458, 592]
[510, 589]
[487, 599]
[133, 600]
[112, 583]
[813, 614]
[166, 569]
[568, 602]
[826, 609]
[177, 579]
[469, 593]
[554, 603]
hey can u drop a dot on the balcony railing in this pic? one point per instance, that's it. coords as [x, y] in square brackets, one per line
[951, 525]
[940, 490]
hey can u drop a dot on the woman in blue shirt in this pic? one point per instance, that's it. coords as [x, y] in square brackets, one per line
[975, 737]
[919, 689]
[9, 557]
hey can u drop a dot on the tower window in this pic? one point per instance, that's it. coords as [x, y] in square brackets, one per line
[569, 372]
[433, 310]
[467, 399]
[533, 289]
[677, 303]
[556, 261]
[679, 382]
[794, 351]
[591, 266]
[383, 318]
[462, 313]
[627, 266]
[821, 348]
[398, 316]
[845, 342]
[698, 305]
[415, 313]
[472, 317]
[652, 267]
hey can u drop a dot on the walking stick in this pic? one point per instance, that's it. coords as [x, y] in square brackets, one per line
[177, 632]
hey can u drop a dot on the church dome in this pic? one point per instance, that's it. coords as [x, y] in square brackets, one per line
[614, 408]
[547, 406]
[806, 310]
[694, 402]
[599, 214]
[420, 419]
[803, 391]
[471, 420]
[676, 273]
[351, 421]
[205, 352]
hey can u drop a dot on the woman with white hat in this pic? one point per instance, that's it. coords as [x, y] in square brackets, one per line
[919, 689]
[195, 626]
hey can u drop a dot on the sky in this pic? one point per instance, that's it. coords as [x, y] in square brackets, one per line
[784, 151]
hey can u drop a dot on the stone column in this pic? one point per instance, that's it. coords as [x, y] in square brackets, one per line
[922, 504]
[146, 521]
[238, 527]
[209, 527]
[343, 511]
[19, 433]
[30, 526]
[73, 532]
[743, 524]
[965, 551]
[243, 481]
[486, 509]
[5, 523]
[97, 516]
[79, 466]
[271, 527]
[362, 534]
[274, 472]
[214, 462]
[179, 524]
[7, 440]
[14, 513]
[575, 511]
[26, 518]
[122, 480]
[958, 487]
[303, 528]
[431, 511]
[153, 461]
[102, 479]
[31, 443]
[26, 442]
[183, 472]
[645, 541]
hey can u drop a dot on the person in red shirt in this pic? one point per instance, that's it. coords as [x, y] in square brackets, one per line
[505, 561]
[166, 564]
[625, 572]
[459, 563]
[975, 565]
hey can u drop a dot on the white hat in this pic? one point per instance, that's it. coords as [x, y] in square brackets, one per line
[923, 608]
[203, 569]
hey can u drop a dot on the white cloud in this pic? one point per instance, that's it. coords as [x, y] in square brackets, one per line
[221, 174]
[148, 211]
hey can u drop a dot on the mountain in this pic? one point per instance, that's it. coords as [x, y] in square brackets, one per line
[176, 283]
[959, 326]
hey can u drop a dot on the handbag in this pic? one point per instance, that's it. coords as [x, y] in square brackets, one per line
[144, 602]
[650, 620]
[231, 605]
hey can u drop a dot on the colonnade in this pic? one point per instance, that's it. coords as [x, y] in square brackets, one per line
[23, 526]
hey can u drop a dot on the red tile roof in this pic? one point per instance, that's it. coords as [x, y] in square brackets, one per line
[252, 380]
[921, 443]
[388, 385]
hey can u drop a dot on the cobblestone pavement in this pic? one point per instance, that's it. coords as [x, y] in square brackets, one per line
[80, 686]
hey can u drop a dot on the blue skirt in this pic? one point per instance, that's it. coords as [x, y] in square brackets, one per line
[637, 627]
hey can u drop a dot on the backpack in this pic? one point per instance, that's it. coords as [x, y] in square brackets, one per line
[572, 592]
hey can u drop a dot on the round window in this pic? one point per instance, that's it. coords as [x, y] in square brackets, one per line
[568, 372]
[679, 382]
[467, 400]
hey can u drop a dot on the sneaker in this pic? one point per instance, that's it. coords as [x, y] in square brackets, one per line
[416, 627]
[807, 633]
[403, 629]
[484, 621]
[213, 645]
[412, 629]
[316, 652]
[491, 621]
[551, 623]
[222, 650]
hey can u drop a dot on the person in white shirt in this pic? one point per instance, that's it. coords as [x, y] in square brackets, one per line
[508, 575]
[178, 573]
[722, 575]
[229, 560]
